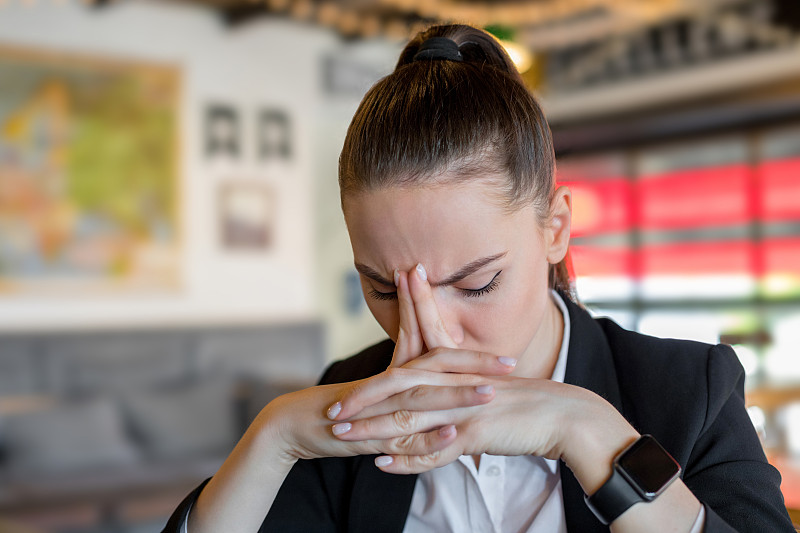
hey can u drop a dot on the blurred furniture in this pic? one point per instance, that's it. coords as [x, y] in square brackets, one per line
[108, 430]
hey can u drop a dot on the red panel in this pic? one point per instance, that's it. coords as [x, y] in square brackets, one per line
[790, 480]
[600, 206]
[782, 256]
[780, 189]
[695, 198]
[594, 261]
[733, 257]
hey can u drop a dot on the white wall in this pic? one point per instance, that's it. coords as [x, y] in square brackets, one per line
[266, 63]
[347, 332]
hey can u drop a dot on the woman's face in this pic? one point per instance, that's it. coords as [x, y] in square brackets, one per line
[487, 267]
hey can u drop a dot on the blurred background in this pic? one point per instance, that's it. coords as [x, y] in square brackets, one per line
[173, 255]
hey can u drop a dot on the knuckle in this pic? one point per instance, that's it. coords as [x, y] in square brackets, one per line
[403, 420]
[396, 373]
[393, 374]
[404, 444]
[351, 394]
[424, 358]
[418, 393]
[353, 389]
[429, 459]
[437, 351]
[439, 325]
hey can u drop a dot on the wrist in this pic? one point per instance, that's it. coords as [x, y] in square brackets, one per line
[272, 439]
[641, 473]
[593, 443]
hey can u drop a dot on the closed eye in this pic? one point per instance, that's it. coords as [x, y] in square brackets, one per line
[467, 293]
[383, 296]
[489, 287]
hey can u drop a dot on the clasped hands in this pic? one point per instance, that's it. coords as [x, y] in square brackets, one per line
[430, 407]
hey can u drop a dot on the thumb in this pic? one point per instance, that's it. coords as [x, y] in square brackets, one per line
[409, 337]
[434, 331]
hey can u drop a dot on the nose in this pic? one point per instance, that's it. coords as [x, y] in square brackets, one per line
[451, 318]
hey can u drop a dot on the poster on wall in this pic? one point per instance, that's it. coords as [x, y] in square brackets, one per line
[88, 174]
[246, 216]
[274, 135]
[222, 132]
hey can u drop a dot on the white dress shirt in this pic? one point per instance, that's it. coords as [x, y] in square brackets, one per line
[520, 494]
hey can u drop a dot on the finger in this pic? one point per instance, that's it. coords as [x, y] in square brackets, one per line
[392, 425]
[463, 361]
[421, 443]
[409, 337]
[415, 444]
[430, 398]
[416, 464]
[370, 391]
[433, 328]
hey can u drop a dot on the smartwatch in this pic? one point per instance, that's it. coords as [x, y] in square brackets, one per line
[641, 472]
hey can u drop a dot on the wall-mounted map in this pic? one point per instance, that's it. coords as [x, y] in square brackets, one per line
[88, 174]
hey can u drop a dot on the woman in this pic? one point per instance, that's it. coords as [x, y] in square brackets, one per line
[502, 401]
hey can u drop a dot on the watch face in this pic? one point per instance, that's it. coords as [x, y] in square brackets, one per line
[649, 466]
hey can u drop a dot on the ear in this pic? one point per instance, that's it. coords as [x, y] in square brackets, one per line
[558, 225]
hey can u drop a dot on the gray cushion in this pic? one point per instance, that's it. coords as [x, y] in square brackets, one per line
[186, 420]
[68, 437]
[108, 362]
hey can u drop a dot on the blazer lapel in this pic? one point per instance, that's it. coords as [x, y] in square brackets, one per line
[589, 365]
[380, 501]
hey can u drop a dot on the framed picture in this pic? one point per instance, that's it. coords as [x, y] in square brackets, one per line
[274, 135]
[246, 216]
[222, 138]
[89, 195]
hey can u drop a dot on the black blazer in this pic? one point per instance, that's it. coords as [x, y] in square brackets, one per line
[687, 394]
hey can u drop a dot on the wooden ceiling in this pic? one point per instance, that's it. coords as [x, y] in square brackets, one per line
[397, 19]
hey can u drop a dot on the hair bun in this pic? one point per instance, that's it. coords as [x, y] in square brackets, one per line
[473, 51]
[438, 48]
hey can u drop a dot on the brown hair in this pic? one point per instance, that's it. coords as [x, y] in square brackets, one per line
[433, 119]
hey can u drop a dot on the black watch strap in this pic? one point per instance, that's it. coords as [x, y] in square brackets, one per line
[640, 473]
[612, 499]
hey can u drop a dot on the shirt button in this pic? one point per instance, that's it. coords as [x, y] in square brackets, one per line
[494, 470]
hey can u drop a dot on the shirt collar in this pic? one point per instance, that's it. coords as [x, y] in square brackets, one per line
[560, 369]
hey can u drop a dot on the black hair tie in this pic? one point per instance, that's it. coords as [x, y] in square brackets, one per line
[438, 48]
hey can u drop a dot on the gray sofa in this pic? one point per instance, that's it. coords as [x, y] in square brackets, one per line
[107, 430]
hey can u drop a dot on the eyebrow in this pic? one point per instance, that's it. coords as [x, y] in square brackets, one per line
[463, 272]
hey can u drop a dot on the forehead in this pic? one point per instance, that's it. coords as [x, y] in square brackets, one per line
[442, 226]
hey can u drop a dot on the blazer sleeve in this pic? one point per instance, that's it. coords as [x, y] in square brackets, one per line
[306, 501]
[727, 470]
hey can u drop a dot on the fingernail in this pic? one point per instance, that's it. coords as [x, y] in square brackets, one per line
[383, 460]
[334, 410]
[340, 429]
[446, 431]
[421, 271]
[396, 278]
[508, 361]
[484, 389]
